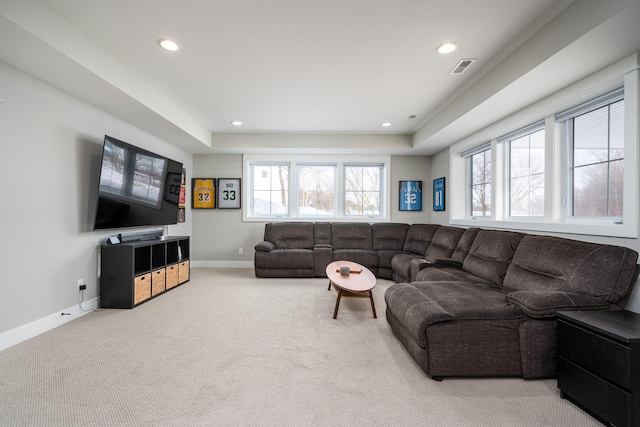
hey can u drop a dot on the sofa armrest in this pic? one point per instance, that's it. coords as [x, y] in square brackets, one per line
[417, 265]
[540, 304]
[265, 246]
[322, 257]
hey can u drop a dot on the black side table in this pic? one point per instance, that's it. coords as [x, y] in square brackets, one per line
[599, 363]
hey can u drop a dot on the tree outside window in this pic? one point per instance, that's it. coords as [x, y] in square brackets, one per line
[598, 162]
[270, 189]
[362, 190]
[316, 190]
[526, 175]
[481, 183]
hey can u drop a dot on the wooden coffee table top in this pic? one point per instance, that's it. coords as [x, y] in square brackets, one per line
[363, 282]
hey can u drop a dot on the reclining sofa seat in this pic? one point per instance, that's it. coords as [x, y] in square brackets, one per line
[286, 251]
[354, 242]
[495, 315]
[442, 245]
[388, 240]
[417, 240]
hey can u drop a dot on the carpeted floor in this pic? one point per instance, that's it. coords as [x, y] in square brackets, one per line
[227, 349]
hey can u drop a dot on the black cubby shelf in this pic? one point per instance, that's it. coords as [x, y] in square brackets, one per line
[132, 273]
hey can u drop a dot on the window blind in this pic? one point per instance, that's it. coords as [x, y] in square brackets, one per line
[593, 104]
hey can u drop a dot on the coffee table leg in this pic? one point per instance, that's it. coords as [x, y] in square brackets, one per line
[329, 288]
[373, 307]
[335, 312]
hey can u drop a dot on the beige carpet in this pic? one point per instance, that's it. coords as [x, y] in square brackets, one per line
[228, 349]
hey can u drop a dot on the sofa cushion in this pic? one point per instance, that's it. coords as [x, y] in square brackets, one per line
[388, 236]
[322, 233]
[420, 304]
[491, 253]
[541, 304]
[347, 235]
[464, 244]
[557, 264]
[385, 258]
[444, 242]
[285, 259]
[366, 258]
[289, 235]
[419, 237]
[414, 310]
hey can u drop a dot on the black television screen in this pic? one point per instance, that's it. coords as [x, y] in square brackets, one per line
[136, 188]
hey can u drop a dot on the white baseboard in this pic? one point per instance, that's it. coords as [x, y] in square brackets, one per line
[221, 264]
[37, 327]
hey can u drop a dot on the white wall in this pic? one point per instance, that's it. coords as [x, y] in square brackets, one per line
[219, 233]
[411, 168]
[50, 148]
[439, 169]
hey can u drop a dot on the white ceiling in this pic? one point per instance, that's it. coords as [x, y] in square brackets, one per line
[319, 67]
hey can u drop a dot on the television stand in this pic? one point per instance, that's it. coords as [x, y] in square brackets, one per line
[134, 272]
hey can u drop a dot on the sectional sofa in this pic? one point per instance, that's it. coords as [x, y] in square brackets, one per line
[466, 302]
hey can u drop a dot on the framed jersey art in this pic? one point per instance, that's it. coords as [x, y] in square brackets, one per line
[228, 193]
[438, 194]
[410, 195]
[204, 193]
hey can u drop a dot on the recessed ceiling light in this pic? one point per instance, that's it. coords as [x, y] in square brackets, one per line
[236, 123]
[386, 124]
[169, 45]
[447, 47]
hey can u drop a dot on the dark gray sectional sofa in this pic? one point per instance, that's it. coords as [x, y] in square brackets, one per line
[467, 302]
[304, 249]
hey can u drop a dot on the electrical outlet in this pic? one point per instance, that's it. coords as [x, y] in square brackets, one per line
[81, 285]
[240, 251]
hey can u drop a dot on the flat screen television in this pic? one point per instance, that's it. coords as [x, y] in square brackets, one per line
[136, 187]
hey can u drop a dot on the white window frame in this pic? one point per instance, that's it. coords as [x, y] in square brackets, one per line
[623, 73]
[339, 161]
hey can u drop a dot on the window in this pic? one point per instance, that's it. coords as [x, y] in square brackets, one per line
[363, 191]
[576, 170]
[316, 190]
[312, 187]
[525, 169]
[270, 189]
[597, 171]
[480, 164]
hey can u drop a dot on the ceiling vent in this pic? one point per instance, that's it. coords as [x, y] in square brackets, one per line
[462, 66]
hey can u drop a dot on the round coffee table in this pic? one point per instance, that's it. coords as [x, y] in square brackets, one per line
[357, 284]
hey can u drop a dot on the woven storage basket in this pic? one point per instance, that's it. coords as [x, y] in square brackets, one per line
[183, 272]
[142, 288]
[157, 282]
[172, 276]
